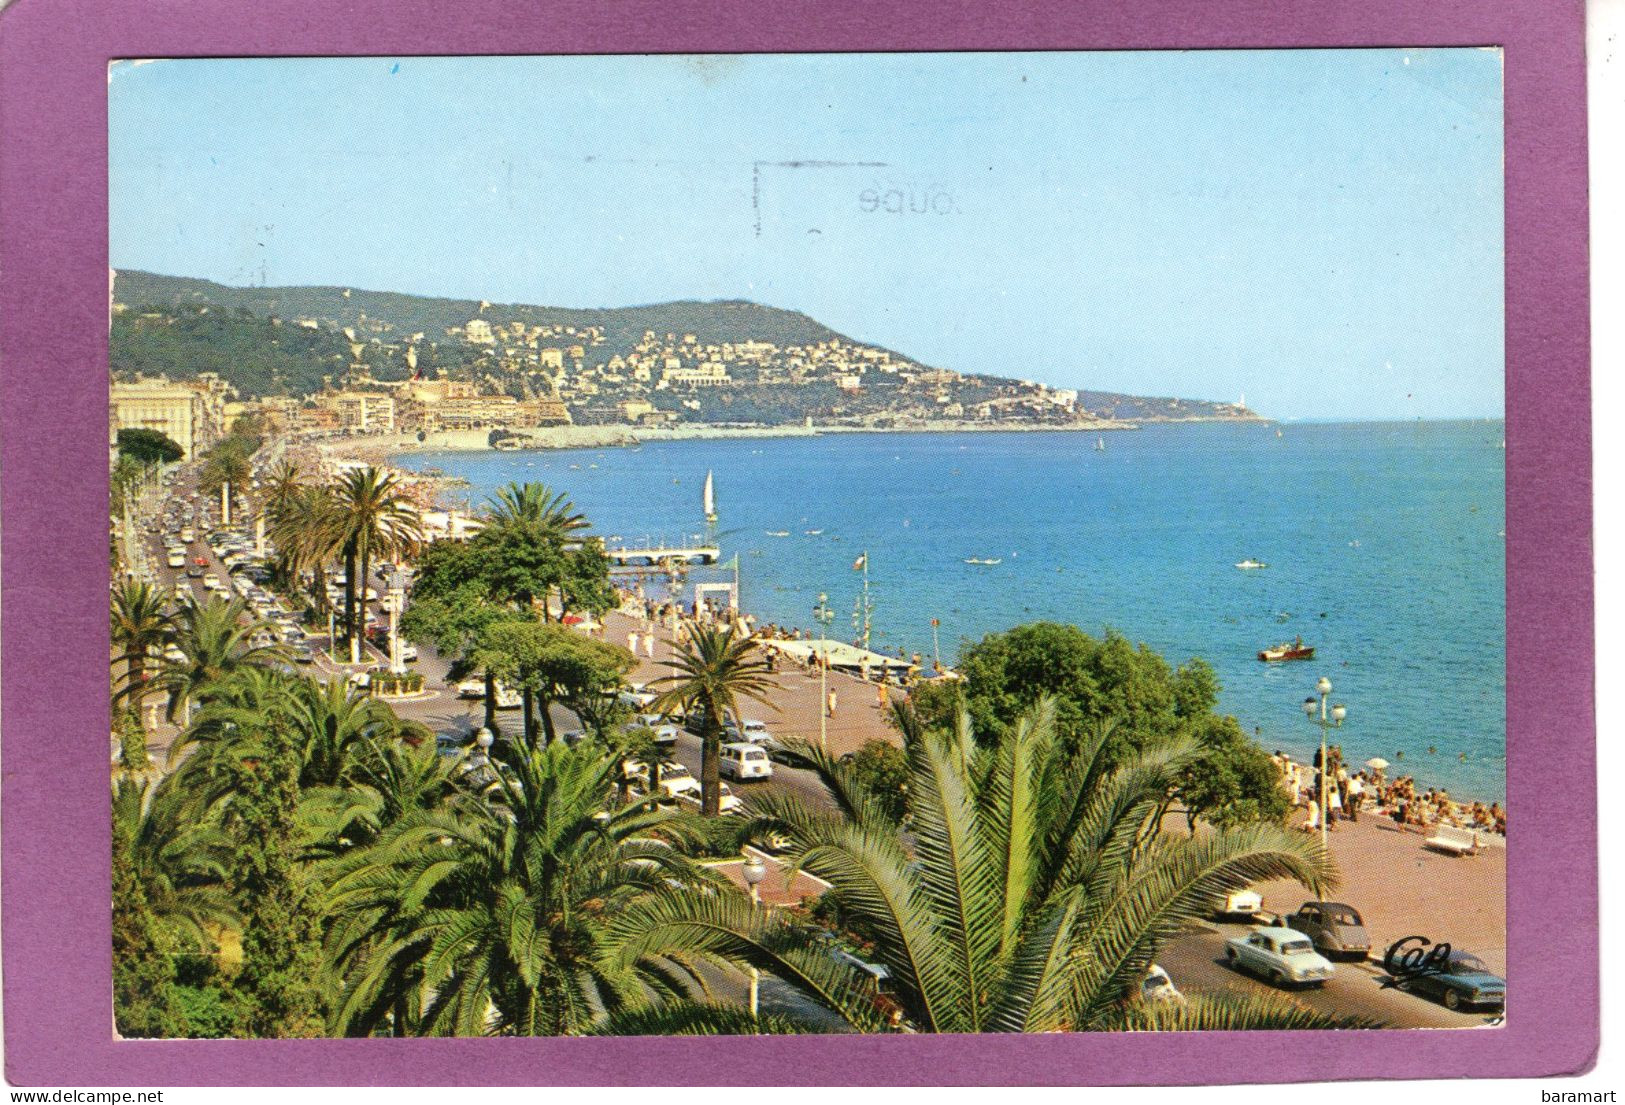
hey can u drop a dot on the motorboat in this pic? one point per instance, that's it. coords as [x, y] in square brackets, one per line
[1249, 564]
[1290, 650]
[984, 560]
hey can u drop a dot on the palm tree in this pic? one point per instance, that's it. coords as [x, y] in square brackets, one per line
[327, 722]
[535, 504]
[141, 626]
[374, 515]
[179, 855]
[228, 466]
[493, 916]
[214, 638]
[1038, 892]
[714, 669]
[304, 525]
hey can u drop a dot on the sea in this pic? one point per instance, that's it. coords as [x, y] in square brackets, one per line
[1384, 546]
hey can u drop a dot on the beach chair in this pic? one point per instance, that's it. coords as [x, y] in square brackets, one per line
[1448, 838]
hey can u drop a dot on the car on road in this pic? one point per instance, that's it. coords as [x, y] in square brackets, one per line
[194, 572]
[1334, 928]
[1281, 955]
[636, 697]
[745, 729]
[742, 760]
[1241, 903]
[663, 731]
[727, 800]
[212, 582]
[780, 752]
[877, 985]
[1157, 987]
[302, 654]
[675, 779]
[176, 559]
[1462, 980]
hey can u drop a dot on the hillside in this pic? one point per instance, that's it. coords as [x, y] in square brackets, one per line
[402, 316]
[722, 362]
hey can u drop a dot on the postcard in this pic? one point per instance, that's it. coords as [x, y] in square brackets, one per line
[793, 544]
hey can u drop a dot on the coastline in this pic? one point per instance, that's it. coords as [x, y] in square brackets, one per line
[382, 447]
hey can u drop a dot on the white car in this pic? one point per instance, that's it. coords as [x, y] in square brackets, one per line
[636, 697]
[727, 800]
[176, 559]
[1157, 987]
[212, 582]
[743, 760]
[1241, 903]
[675, 779]
[746, 729]
[1283, 956]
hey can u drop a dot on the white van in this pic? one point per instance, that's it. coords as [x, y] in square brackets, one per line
[744, 760]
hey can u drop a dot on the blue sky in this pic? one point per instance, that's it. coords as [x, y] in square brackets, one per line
[1321, 230]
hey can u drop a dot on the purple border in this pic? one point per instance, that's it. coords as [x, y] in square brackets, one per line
[53, 320]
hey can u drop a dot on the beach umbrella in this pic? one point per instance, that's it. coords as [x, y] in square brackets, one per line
[1376, 763]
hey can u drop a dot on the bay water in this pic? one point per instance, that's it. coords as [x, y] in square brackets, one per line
[1384, 545]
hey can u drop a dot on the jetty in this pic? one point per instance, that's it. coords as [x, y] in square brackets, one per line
[654, 555]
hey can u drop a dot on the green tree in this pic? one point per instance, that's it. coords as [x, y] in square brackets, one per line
[214, 638]
[374, 515]
[550, 663]
[143, 953]
[304, 523]
[713, 669]
[174, 847]
[493, 917]
[883, 769]
[148, 447]
[1231, 781]
[141, 628]
[1034, 898]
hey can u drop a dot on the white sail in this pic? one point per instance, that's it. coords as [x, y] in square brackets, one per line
[710, 496]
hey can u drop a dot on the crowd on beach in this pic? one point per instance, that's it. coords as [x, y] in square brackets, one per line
[1368, 788]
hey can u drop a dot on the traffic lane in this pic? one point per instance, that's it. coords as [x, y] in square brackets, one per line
[795, 781]
[1196, 962]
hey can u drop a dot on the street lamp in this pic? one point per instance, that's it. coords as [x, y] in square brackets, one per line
[397, 601]
[824, 615]
[754, 871]
[1333, 717]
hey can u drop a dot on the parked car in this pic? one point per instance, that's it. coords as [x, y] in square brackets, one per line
[175, 559]
[1156, 986]
[1463, 980]
[1334, 928]
[743, 760]
[676, 781]
[664, 732]
[727, 800]
[302, 654]
[1241, 903]
[745, 729]
[194, 572]
[779, 752]
[1283, 956]
[212, 582]
[877, 985]
[636, 697]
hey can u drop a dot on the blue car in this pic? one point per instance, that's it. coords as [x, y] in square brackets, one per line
[1463, 980]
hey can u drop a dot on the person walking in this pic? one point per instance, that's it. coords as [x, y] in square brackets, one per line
[1356, 793]
[829, 704]
[649, 644]
[632, 637]
[880, 695]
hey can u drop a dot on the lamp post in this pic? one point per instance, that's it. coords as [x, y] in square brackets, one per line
[824, 615]
[754, 871]
[1327, 719]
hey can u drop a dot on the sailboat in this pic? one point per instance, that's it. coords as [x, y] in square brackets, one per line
[710, 497]
[1100, 445]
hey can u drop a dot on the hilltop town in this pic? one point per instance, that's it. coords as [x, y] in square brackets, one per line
[330, 361]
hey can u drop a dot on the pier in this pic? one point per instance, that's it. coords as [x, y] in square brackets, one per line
[657, 554]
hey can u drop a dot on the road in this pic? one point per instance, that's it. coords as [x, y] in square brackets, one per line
[1196, 963]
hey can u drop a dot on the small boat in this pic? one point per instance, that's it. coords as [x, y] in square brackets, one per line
[777, 532]
[1289, 650]
[984, 560]
[710, 498]
[1100, 444]
[1250, 563]
[812, 532]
